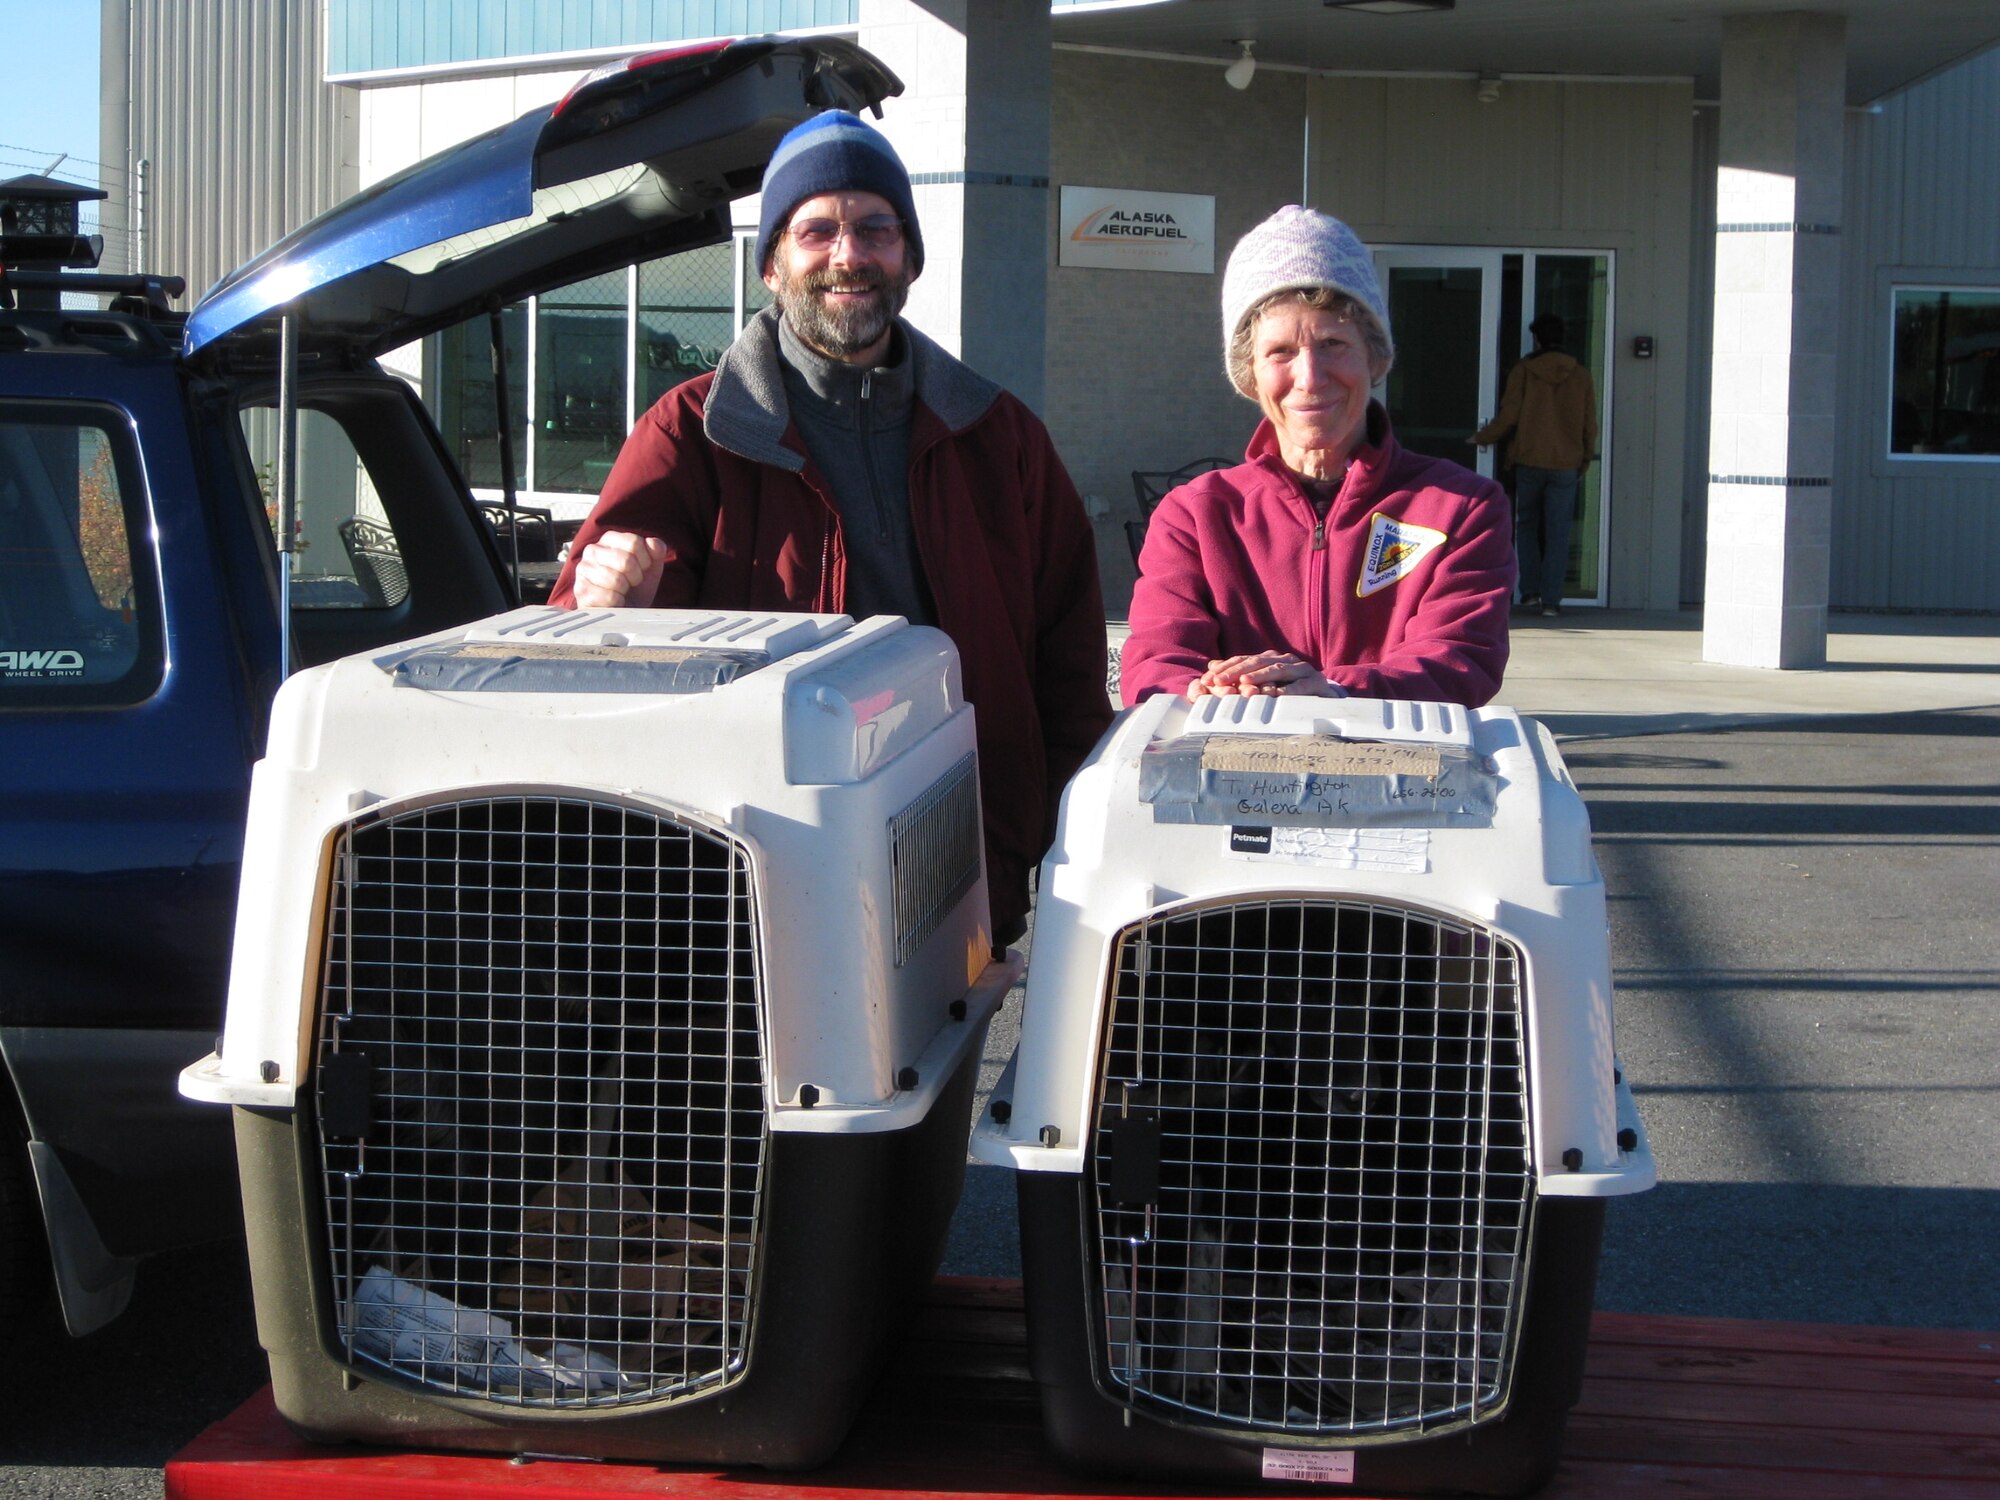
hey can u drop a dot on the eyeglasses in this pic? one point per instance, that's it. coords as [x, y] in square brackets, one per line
[882, 232]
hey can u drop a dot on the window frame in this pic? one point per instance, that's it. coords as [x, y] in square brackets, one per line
[1892, 283]
[144, 679]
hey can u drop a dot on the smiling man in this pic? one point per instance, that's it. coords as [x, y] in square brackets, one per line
[837, 460]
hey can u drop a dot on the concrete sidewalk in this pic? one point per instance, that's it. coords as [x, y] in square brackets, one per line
[1599, 673]
[1595, 673]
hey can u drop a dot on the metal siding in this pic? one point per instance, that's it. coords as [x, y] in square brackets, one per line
[1655, 391]
[368, 36]
[1626, 155]
[1701, 347]
[1918, 201]
[244, 143]
[436, 21]
[1450, 160]
[492, 31]
[1862, 539]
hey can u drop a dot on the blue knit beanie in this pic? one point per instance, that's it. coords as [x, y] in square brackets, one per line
[835, 152]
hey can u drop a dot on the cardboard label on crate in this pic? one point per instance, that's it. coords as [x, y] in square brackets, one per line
[1294, 1466]
[1316, 755]
[1318, 781]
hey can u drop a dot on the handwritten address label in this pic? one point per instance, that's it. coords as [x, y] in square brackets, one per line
[1307, 780]
[1316, 755]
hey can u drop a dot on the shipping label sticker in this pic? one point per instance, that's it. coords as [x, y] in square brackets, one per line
[1402, 851]
[1296, 1467]
[1394, 549]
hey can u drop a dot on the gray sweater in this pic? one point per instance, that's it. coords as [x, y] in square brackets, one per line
[855, 421]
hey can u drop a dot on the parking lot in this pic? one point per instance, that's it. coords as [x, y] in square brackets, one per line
[1808, 976]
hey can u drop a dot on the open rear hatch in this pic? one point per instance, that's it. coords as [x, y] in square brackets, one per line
[639, 160]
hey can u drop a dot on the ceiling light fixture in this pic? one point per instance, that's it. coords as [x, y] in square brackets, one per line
[1388, 7]
[1239, 73]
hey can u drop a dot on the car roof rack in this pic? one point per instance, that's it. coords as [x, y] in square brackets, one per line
[142, 295]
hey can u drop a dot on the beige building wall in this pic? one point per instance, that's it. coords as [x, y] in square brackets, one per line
[1135, 365]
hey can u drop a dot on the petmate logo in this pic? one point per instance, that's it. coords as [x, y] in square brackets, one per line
[55, 663]
[1394, 549]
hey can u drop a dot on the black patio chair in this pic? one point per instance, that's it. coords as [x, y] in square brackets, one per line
[536, 528]
[378, 561]
[1150, 487]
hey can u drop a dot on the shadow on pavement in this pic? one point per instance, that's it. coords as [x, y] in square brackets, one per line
[1806, 1253]
[1806, 968]
[131, 1395]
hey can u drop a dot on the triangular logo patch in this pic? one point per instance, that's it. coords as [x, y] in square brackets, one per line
[1394, 548]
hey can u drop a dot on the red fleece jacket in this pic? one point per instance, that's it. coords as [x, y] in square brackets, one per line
[1400, 593]
[1006, 549]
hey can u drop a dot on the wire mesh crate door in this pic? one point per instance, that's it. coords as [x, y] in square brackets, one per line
[1310, 1167]
[539, 1100]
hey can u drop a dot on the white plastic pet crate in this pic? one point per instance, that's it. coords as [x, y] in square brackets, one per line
[1315, 1105]
[607, 995]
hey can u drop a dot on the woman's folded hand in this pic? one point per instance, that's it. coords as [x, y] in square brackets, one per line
[1266, 673]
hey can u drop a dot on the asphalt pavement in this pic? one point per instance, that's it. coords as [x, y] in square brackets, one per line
[1803, 869]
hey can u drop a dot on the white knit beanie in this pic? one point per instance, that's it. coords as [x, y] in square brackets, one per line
[1294, 249]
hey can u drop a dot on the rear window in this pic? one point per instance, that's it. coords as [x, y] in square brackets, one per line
[79, 624]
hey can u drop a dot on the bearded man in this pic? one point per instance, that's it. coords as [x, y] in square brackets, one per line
[838, 461]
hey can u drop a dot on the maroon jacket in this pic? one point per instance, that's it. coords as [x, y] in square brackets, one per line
[1401, 592]
[717, 470]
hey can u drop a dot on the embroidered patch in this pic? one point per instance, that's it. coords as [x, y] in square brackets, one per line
[1394, 548]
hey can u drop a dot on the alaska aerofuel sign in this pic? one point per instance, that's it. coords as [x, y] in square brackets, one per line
[1124, 230]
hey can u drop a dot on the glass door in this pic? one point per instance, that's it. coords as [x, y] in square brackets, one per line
[1444, 306]
[1461, 319]
[1576, 286]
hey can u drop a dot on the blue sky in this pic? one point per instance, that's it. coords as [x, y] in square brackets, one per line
[48, 88]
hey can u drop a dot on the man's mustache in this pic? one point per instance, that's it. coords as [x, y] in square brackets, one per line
[873, 278]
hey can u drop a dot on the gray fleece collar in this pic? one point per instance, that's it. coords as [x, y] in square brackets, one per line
[746, 411]
[831, 388]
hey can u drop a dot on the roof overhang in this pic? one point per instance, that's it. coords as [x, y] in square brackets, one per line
[1891, 44]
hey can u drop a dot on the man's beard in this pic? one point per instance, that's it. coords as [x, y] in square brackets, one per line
[847, 328]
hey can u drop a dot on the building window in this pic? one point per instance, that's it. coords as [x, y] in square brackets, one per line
[583, 336]
[687, 316]
[462, 395]
[1945, 382]
[584, 362]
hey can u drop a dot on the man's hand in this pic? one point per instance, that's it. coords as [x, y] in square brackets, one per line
[620, 567]
[1266, 674]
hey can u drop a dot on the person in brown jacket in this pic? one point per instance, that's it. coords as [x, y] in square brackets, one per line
[1550, 408]
[838, 461]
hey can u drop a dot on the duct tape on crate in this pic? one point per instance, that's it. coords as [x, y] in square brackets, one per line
[1319, 781]
[566, 667]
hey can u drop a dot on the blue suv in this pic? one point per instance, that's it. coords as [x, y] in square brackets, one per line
[152, 593]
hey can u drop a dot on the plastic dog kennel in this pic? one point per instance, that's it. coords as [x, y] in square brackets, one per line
[1315, 1107]
[607, 996]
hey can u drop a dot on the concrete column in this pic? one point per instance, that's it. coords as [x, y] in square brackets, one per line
[972, 126]
[1777, 292]
[114, 137]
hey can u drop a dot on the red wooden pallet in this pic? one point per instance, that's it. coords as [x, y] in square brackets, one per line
[1702, 1408]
